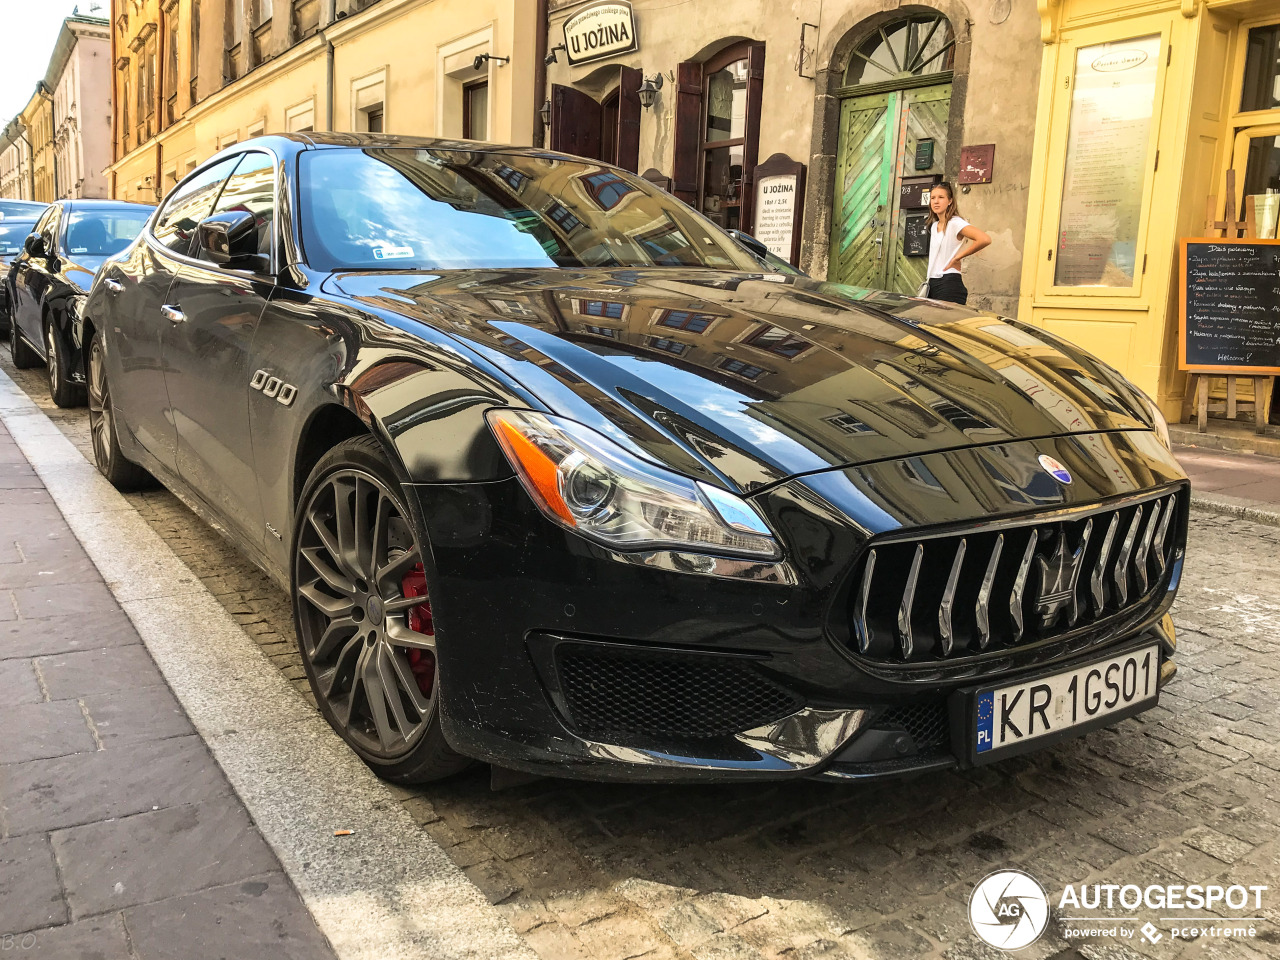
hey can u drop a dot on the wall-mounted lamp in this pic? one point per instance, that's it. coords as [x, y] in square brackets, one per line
[551, 57]
[545, 113]
[648, 91]
[482, 58]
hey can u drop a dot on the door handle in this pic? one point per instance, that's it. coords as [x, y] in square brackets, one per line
[879, 242]
[172, 314]
[115, 286]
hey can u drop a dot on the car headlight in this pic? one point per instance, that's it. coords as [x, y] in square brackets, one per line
[1159, 423]
[588, 484]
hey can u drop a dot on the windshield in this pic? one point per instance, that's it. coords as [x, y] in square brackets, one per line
[103, 232]
[437, 209]
[12, 235]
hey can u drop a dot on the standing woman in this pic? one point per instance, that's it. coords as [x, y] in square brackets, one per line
[946, 237]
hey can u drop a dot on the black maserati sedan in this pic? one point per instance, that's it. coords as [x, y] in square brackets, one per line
[17, 219]
[48, 280]
[561, 480]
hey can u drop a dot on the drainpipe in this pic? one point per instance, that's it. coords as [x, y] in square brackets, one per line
[31, 163]
[53, 132]
[540, 78]
[327, 17]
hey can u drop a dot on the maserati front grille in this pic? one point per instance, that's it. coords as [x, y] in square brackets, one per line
[933, 599]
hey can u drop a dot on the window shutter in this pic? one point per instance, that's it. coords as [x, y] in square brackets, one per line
[688, 131]
[628, 139]
[751, 134]
[575, 122]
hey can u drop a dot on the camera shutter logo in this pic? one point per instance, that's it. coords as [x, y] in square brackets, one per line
[1009, 910]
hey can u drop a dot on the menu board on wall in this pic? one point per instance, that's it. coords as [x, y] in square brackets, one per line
[1108, 141]
[1229, 314]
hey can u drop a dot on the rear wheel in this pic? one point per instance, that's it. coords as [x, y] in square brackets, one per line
[123, 473]
[61, 389]
[363, 615]
[24, 358]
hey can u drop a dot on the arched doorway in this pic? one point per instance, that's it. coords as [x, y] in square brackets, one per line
[895, 105]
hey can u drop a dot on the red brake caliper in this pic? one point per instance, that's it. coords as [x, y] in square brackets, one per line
[421, 662]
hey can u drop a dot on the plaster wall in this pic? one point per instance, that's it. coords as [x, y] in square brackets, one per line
[994, 99]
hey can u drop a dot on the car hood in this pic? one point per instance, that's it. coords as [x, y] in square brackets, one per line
[754, 378]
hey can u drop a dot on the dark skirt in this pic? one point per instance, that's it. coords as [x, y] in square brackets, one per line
[949, 287]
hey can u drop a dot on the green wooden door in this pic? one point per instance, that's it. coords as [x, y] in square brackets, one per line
[864, 180]
[877, 148]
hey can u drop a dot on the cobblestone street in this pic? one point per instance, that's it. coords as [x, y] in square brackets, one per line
[1187, 793]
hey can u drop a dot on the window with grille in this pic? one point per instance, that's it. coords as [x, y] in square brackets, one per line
[779, 341]
[686, 320]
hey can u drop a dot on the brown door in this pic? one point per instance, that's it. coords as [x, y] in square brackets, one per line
[575, 122]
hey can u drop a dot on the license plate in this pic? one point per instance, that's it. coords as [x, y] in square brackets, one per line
[1022, 712]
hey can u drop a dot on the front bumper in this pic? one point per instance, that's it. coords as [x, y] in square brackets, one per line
[514, 597]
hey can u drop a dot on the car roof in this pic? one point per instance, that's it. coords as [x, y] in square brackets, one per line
[365, 141]
[105, 204]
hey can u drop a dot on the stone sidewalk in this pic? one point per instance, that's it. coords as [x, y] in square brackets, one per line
[1245, 485]
[121, 837]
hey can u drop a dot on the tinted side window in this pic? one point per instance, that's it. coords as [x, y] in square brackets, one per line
[252, 189]
[49, 230]
[191, 201]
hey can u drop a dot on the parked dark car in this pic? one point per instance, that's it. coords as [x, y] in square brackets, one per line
[49, 278]
[17, 219]
[559, 479]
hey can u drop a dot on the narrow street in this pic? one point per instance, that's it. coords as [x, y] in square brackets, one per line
[1187, 793]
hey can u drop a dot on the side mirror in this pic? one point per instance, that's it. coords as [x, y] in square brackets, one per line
[34, 245]
[230, 239]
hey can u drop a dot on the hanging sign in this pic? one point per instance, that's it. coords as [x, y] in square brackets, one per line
[600, 31]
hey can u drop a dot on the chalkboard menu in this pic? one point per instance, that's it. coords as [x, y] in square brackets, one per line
[1230, 306]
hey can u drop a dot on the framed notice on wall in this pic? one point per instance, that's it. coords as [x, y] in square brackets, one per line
[779, 207]
[1108, 155]
[1229, 306]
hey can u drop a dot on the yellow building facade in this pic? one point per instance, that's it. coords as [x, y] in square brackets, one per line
[37, 119]
[194, 76]
[1144, 105]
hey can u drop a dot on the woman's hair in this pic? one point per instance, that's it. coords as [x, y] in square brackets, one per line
[953, 208]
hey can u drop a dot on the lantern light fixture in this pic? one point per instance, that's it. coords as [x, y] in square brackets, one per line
[648, 91]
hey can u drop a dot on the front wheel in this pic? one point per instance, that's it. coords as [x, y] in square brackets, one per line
[123, 473]
[61, 389]
[363, 616]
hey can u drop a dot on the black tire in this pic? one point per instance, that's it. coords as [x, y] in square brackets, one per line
[24, 358]
[61, 389]
[357, 566]
[124, 474]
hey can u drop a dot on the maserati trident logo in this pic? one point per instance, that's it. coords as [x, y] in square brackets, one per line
[1055, 581]
[1054, 468]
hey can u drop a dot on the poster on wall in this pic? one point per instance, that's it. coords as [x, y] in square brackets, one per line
[1108, 142]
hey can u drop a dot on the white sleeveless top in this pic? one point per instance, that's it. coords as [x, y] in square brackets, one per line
[942, 247]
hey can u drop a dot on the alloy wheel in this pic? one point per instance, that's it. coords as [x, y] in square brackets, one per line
[51, 356]
[100, 412]
[365, 622]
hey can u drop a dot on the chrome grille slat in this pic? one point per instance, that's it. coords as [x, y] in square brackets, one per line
[945, 636]
[904, 610]
[982, 609]
[1020, 586]
[1144, 547]
[1097, 586]
[975, 594]
[1121, 575]
[860, 627]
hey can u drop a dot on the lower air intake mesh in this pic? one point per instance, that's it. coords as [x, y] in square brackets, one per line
[662, 695]
[926, 722]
